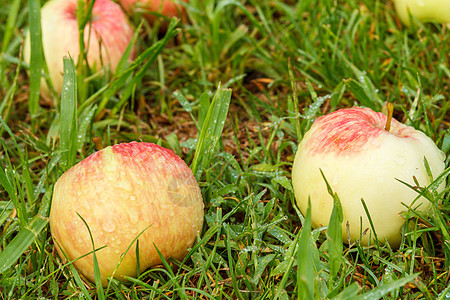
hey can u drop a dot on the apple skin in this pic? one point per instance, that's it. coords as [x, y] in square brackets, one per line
[360, 159]
[168, 8]
[423, 10]
[106, 38]
[120, 191]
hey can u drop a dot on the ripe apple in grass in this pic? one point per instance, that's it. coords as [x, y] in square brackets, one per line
[121, 191]
[167, 8]
[106, 37]
[423, 10]
[362, 160]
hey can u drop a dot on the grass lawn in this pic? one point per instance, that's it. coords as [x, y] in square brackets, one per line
[232, 91]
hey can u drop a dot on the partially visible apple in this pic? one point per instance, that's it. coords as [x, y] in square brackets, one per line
[106, 37]
[121, 191]
[167, 8]
[423, 10]
[362, 160]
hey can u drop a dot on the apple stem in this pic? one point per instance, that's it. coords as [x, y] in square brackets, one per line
[390, 109]
[98, 142]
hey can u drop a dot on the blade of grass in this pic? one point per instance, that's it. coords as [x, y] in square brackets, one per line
[24, 238]
[74, 271]
[9, 30]
[305, 260]
[143, 61]
[97, 275]
[68, 116]
[211, 131]
[381, 291]
[84, 15]
[182, 291]
[231, 265]
[34, 20]
[334, 234]
[10, 181]
[369, 217]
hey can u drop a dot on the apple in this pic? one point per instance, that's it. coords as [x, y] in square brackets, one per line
[149, 8]
[106, 37]
[122, 191]
[423, 10]
[360, 159]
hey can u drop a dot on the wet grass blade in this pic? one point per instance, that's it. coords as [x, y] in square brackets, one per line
[305, 260]
[21, 242]
[211, 131]
[334, 234]
[68, 117]
[9, 29]
[97, 275]
[34, 7]
[381, 291]
[141, 63]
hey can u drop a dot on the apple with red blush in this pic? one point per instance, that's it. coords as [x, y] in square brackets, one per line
[362, 158]
[151, 8]
[106, 37]
[122, 192]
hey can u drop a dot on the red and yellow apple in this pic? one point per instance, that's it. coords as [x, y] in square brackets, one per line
[121, 191]
[362, 160]
[106, 37]
[423, 10]
[167, 8]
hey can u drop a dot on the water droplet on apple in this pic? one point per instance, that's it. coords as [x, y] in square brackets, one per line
[133, 198]
[108, 225]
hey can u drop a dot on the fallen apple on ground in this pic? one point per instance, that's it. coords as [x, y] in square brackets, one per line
[360, 159]
[149, 8]
[423, 10]
[106, 37]
[121, 191]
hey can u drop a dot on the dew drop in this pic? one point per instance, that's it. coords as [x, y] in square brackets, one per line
[109, 225]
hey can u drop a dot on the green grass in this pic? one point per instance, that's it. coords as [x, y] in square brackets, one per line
[232, 92]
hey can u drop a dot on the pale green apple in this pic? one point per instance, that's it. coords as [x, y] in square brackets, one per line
[361, 160]
[423, 10]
